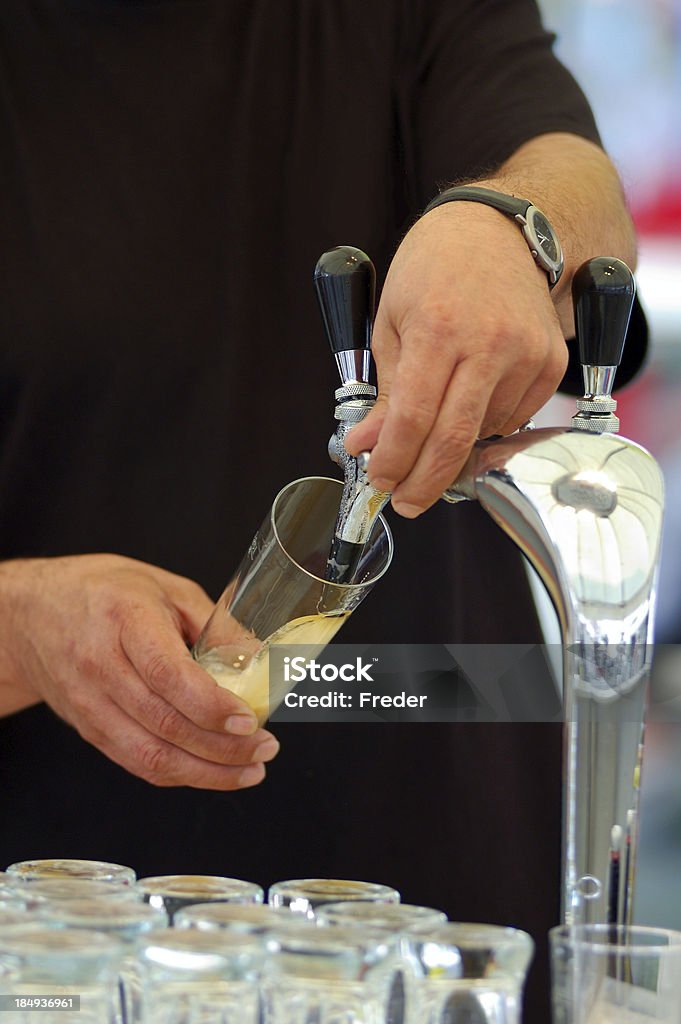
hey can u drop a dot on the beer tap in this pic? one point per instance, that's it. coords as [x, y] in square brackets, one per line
[345, 283]
[585, 506]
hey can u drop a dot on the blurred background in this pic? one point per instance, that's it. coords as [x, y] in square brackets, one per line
[626, 55]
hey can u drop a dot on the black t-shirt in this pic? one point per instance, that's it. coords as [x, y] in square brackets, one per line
[170, 171]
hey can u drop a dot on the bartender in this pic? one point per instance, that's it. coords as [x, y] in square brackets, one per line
[170, 174]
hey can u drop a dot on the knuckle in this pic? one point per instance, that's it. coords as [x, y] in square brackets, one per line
[114, 608]
[558, 361]
[417, 415]
[438, 319]
[535, 348]
[155, 762]
[84, 663]
[447, 454]
[159, 671]
[170, 724]
[495, 421]
[456, 438]
[94, 733]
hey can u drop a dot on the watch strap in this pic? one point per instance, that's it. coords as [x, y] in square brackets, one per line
[526, 215]
[475, 194]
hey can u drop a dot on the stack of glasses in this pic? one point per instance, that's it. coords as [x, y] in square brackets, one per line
[87, 943]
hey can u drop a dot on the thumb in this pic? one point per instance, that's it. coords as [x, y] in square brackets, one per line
[364, 436]
[386, 351]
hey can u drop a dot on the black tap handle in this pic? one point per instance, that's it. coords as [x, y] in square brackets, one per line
[603, 293]
[345, 282]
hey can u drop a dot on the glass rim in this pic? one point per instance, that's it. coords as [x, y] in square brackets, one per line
[356, 889]
[216, 911]
[102, 913]
[64, 888]
[39, 870]
[297, 936]
[466, 934]
[605, 938]
[405, 914]
[306, 572]
[220, 942]
[190, 885]
[38, 938]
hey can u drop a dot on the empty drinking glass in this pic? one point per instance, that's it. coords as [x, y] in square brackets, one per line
[172, 892]
[58, 890]
[126, 920]
[471, 972]
[70, 976]
[305, 895]
[196, 977]
[398, 918]
[608, 974]
[328, 975]
[98, 870]
[401, 920]
[248, 918]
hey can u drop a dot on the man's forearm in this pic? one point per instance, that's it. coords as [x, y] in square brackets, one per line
[15, 692]
[576, 185]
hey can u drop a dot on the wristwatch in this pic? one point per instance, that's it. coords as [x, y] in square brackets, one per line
[538, 233]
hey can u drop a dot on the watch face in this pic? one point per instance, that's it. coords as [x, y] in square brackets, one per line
[545, 239]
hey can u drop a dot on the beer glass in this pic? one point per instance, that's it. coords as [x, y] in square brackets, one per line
[327, 975]
[306, 895]
[172, 892]
[470, 972]
[97, 870]
[400, 918]
[279, 594]
[247, 918]
[70, 976]
[196, 977]
[58, 890]
[125, 920]
[403, 921]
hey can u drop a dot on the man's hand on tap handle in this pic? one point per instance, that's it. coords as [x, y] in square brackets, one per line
[103, 640]
[468, 339]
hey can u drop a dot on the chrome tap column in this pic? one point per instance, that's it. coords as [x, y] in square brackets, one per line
[585, 506]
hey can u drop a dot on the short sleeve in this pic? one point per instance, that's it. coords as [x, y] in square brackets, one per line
[479, 79]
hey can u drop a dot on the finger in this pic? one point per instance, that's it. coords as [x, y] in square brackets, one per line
[163, 720]
[364, 436]
[386, 353]
[158, 654]
[504, 400]
[527, 386]
[189, 600]
[444, 453]
[418, 388]
[127, 743]
[532, 401]
[543, 388]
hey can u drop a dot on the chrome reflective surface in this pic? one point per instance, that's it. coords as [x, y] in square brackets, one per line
[598, 380]
[361, 503]
[354, 364]
[587, 511]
